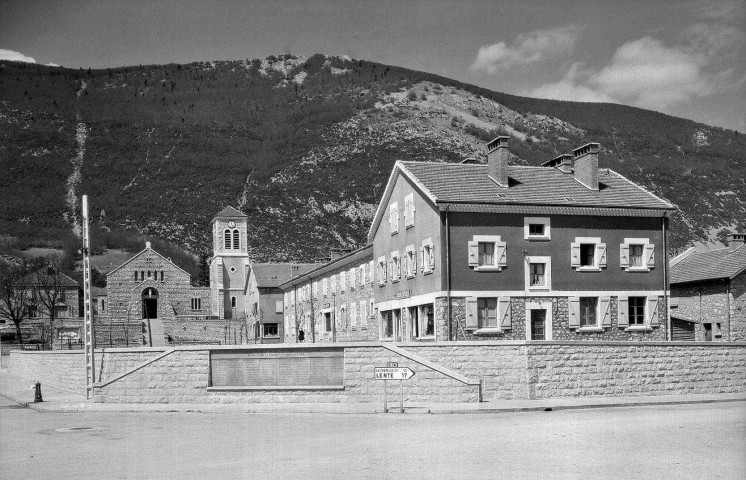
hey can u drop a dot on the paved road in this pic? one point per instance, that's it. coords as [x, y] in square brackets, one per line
[683, 441]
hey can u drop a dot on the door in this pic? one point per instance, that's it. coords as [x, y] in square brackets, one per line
[150, 303]
[538, 324]
[414, 323]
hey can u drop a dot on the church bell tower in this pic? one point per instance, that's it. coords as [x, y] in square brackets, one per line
[230, 264]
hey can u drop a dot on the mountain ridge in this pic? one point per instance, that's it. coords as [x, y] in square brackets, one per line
[304, 147]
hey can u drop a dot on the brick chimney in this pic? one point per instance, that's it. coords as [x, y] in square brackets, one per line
[497, 160]
[586, 165]
[736, 240]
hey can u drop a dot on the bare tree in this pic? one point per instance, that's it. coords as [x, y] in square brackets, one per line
[14, 296]
[49, 284]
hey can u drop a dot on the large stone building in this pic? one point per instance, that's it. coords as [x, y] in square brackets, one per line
[564, 251]
[708, 293]
[334, 302]
[149, 289]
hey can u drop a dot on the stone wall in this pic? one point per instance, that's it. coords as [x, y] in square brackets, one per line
[63, 370]
[509, 370]
[719, 303]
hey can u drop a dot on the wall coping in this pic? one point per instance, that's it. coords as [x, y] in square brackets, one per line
[47, 352]
[351, 345]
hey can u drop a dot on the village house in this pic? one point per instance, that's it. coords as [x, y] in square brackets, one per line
[334, 302]
[708, 293]
[495, 251]
[265, 299]
[51, 288]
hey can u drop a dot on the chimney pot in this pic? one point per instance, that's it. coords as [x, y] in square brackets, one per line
[586, 165]
[736, 240]
[497, 160]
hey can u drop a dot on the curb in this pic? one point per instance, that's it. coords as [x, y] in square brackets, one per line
[324, 409]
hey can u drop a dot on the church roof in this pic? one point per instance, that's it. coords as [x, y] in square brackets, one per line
[229, 212]
[147, 248]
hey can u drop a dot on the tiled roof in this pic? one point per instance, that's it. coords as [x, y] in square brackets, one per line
[273, 274]
[230, 212]
[723, 263]
[467, 183]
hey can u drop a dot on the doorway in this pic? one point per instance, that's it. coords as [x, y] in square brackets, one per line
[414, 323]
[538, 324]
[708, 331]
[398, 327]
[150, 303]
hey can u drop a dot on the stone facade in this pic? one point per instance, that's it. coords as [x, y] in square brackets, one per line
[508, 370]
[149, 286]
[333, 303]
[717, 307]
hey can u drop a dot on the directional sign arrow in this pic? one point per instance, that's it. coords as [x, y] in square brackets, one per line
[392, 373]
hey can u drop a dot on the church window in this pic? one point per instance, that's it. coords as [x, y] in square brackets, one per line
[149, 273]
[233, 302]
[236, 244]
[135, 275]
[142, 275]
[228, 240]
[161, 275]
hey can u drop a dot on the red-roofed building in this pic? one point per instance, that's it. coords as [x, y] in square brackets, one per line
[708, 293]
[496, 251]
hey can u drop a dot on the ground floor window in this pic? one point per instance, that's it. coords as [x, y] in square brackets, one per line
[636, 312]
[271, 330]
[538, 324]
[328, 321]
[588, 316]
[487, 312]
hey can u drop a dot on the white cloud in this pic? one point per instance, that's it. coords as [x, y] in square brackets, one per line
[527, 48]
[649, 74]
[15, 56]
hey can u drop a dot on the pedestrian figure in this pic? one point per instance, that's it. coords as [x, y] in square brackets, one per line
[301, 335]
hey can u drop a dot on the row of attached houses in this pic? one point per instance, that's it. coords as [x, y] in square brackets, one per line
[495, 251]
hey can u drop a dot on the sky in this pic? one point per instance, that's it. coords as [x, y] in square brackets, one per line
[683, 58]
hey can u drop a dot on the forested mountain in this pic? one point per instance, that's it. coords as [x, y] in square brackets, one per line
[304, 147]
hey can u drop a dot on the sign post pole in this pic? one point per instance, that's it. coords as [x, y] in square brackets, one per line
[401, 399]
[385, 400]
[88, 336]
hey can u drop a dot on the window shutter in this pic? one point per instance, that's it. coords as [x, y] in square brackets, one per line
[574, 304]
[501, 253]
[605, 311]
[652, 311]
[414, 261]
[432, 257]
[422, 259]
[385, 272]
[601, 254]
[472, 319]
[575, 255]
[391, 270]
[624, 255]
[622, 312]
[473, 254]
[504, 312]
[650, 255]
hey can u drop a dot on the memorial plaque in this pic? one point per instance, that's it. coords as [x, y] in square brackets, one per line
[277, 367]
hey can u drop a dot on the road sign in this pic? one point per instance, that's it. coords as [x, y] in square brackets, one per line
[392, 373]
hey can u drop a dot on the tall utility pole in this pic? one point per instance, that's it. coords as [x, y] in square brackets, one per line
[90, 372]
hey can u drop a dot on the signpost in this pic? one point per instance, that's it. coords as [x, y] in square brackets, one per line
[392, 371]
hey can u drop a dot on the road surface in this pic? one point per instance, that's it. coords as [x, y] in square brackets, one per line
[705, 441]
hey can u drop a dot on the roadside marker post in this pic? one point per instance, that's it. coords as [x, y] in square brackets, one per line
[392, 372]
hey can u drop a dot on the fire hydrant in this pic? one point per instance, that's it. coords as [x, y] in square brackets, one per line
[37, 393]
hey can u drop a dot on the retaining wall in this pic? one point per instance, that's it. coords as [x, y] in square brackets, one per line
[509, 370]
[61, 369]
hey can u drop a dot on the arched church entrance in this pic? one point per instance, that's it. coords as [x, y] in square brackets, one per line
[150, 303]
